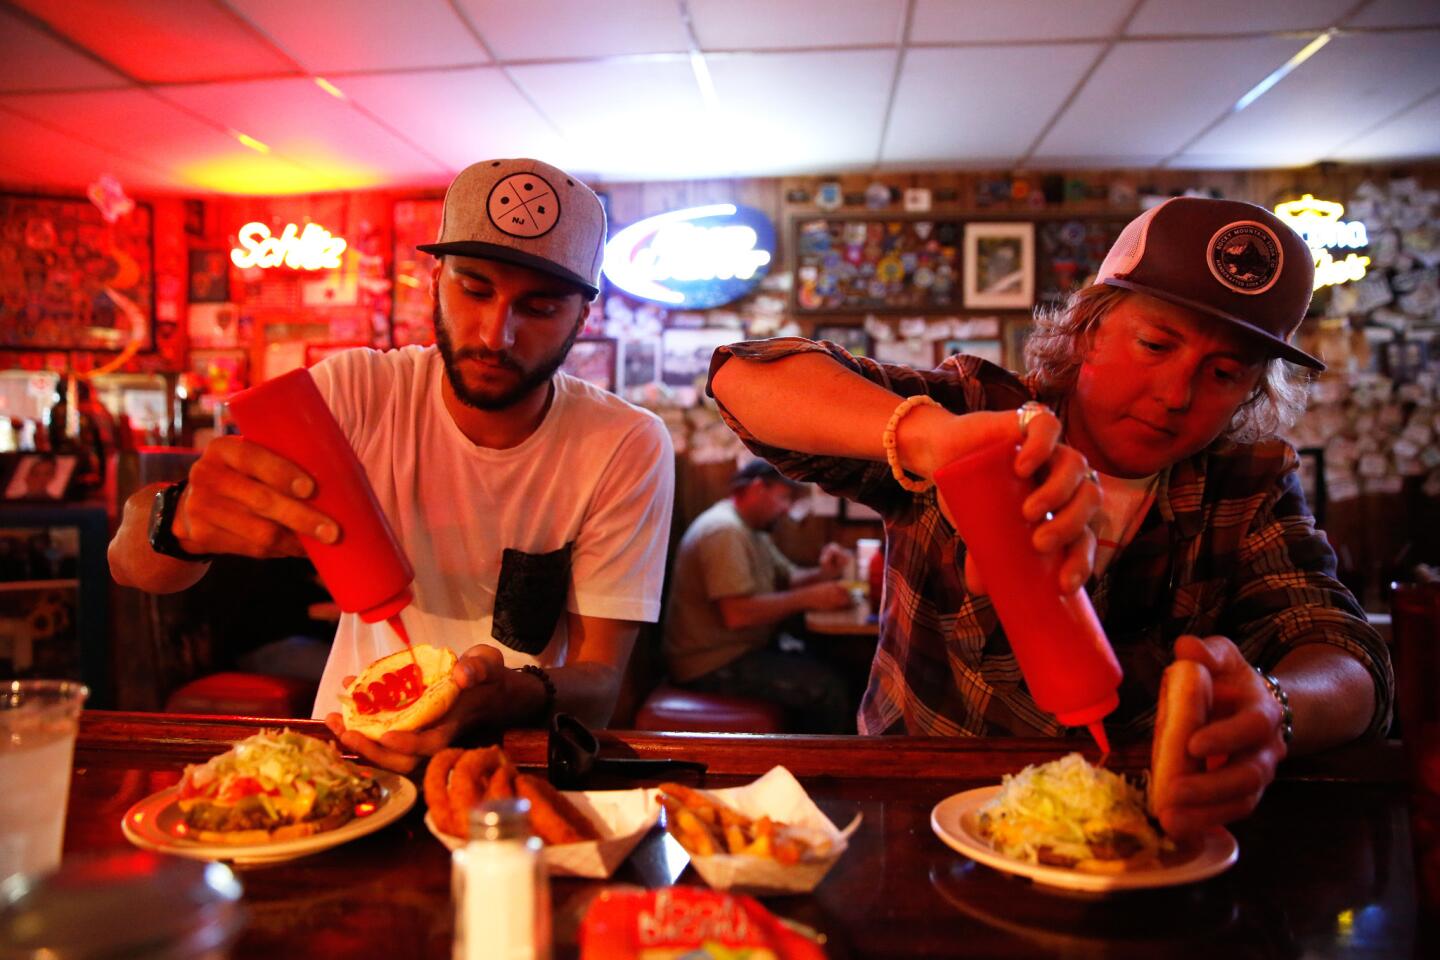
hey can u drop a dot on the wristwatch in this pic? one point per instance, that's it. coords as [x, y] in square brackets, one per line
[162, 518]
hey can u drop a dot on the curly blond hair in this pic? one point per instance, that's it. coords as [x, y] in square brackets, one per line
[1057, 344]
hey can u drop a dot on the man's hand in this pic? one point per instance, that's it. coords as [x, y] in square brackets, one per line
[825, 595]
[834, 561]
[1065, 491]
[479, 673]
[1241, 742]
[245, 500]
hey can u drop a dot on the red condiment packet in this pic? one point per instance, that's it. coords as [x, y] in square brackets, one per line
[686, 921]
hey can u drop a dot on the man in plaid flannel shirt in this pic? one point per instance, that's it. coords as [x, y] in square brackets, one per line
[1170, 376]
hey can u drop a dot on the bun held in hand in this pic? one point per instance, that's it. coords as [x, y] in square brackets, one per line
[401, 692]
[1184, 706]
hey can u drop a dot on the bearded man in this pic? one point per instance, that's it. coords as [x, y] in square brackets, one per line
[534, 507]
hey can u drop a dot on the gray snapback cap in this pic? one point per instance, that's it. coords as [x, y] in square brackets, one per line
[528, 213]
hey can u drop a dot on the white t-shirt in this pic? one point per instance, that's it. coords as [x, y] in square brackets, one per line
[1121, 512]
[576, 518]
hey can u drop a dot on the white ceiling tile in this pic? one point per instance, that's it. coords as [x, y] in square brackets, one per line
[193, 155]
[1330, 98]
[1153, 96]
[777, 24]
[964, 105]
[1397, 13]
[334, 36]
[630, 120]
[968, 21]
[557, 29]
[1414, 134]
[302, 123]
[55, 159]
[822, 110]
[458, 116]
[31, 59]
[164, 41]
[1166, 17]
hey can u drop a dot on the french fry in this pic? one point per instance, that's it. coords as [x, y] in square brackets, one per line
[705, 827]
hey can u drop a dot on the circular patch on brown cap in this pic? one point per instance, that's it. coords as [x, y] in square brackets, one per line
[523, 205]
[1246, 257]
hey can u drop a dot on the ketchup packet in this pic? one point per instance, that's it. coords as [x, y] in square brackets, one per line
[689, 922]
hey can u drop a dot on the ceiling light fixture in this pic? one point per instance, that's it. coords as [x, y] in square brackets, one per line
[1257, 91]
[250, 142]
[329, 88]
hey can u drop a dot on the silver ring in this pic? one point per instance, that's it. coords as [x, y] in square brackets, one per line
[1093, 476]
[1028, 411]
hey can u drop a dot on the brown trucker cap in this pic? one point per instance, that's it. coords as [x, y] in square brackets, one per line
[1227, 259]
[528, 213]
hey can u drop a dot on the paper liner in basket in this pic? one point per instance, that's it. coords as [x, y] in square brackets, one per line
[623, 817]
[779, 796]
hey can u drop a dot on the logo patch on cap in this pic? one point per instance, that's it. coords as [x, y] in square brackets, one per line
[1246, 257]
[523, 205]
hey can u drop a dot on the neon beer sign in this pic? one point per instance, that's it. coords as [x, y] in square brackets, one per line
[314, 248]
[1318, 221]
[694, 258]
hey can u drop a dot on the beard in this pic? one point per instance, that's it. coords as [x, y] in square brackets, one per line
[496, 399]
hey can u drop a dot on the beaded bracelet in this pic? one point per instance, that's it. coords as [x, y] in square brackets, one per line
[888, 440]
[540, 674]
[1287, 719]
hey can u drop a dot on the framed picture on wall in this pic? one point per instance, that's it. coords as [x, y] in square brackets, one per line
[992, 350]
[639, 362]
[593, 359]
[854, 338]
[686, 352]
[40, 476]
[209, 276]
[71, 281]
[223, 371]
[999, 260]
[875, 264]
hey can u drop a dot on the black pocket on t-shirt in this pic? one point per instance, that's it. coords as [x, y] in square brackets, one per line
[530, 597]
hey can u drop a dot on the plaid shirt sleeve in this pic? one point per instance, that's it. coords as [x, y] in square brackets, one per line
[1288, 594]
[960, 384]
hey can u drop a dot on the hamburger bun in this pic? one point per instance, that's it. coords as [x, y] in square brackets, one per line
[1183, 708]
[433, 703]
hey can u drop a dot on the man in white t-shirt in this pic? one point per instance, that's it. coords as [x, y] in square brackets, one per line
[534, 507]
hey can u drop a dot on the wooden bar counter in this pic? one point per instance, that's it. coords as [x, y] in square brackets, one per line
[1326, 864]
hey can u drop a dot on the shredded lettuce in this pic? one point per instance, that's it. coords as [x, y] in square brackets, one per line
[282, 761]
[1062, 806]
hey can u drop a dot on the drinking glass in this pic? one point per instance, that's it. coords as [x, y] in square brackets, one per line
[38, 723]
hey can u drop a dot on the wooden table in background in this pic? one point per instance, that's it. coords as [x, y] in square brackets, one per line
[1325, 870]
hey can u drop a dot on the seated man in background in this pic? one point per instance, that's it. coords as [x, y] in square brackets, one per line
[732, 588]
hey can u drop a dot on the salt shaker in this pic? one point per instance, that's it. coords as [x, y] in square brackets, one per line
[500, 888]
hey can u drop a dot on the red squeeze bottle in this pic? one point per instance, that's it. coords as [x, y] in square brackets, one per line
[365, 570]
[1058, 641]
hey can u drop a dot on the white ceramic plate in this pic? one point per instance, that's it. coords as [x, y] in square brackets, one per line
[955, 821]
[151, 824]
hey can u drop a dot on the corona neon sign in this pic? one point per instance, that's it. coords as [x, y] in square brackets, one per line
[1318, 221]
[695, 258]
[313, 249]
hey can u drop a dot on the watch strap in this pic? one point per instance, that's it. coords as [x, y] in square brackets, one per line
[162, 525]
